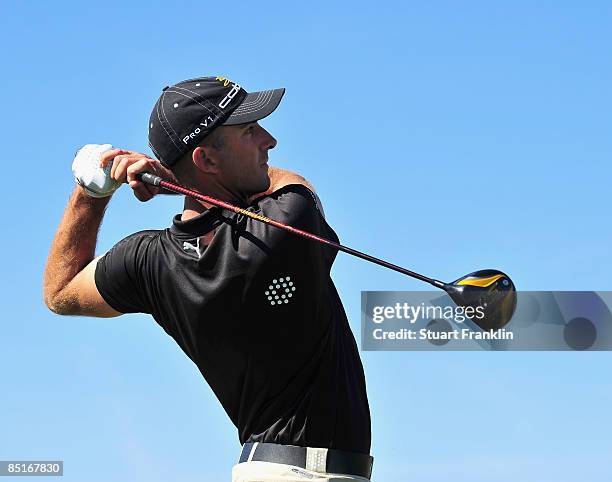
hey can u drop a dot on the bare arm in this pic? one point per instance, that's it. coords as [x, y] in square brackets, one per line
[69, 281]
[280, 178]
[69, 286]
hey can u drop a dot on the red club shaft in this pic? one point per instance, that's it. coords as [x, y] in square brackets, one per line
[158, 181]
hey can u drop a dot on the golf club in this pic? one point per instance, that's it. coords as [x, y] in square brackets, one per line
[489, 289]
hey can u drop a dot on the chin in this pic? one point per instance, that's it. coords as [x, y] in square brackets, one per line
[259, 188]
[265, 184]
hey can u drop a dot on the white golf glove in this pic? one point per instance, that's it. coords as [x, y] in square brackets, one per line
[96, 181]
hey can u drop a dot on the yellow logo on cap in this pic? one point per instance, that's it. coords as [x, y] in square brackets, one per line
[225, 81]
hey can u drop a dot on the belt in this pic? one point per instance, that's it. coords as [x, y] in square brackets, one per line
[332, 461]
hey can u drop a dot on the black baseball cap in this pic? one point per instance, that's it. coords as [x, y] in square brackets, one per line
[187, 112]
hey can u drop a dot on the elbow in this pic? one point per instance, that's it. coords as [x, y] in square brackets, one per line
[55, 308]
[49, 300]
[51, 294]
[62, 309]
[53, 305]
[59, 305]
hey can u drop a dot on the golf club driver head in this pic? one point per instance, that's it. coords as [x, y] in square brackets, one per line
[490, 289]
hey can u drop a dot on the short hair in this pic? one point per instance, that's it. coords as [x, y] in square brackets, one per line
[183, 168]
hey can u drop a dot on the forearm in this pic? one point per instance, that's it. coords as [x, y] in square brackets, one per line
[73, 248]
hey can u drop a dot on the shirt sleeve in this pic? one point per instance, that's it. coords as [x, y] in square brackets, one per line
[121, 276]
[294, 205]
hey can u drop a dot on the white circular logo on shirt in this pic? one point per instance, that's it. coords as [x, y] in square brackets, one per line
[280, 291]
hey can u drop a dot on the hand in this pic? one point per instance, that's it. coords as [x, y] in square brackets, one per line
[96, 182]
[126, 164]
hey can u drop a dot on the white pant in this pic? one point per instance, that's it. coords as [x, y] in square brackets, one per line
[269, 472]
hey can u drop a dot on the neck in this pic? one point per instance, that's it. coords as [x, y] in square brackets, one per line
[194, 207]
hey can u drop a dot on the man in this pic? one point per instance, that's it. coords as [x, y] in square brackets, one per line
[252, 306]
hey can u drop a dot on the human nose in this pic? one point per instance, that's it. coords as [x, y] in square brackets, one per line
[269, 140]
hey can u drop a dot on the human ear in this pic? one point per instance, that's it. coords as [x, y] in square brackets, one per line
[204, 159]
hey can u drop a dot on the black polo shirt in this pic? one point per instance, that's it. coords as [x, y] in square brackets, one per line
[257, 312]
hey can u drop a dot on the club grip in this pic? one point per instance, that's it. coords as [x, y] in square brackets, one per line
[149, 178]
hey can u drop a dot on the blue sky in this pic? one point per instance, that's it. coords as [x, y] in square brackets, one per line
[443, 137]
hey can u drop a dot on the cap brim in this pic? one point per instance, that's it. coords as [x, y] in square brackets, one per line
[256, 106]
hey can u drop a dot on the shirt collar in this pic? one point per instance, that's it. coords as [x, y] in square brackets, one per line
[198, 225]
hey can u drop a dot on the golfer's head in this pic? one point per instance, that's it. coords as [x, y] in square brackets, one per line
[235, 156]
[213, 115]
